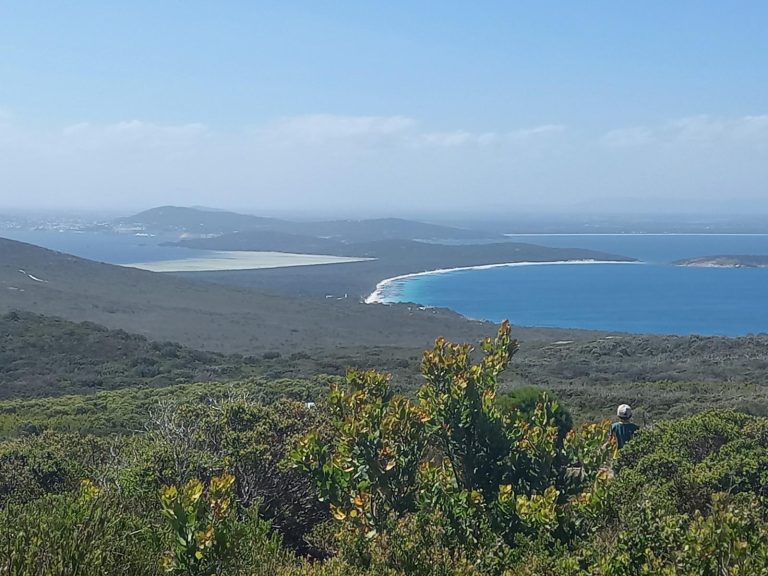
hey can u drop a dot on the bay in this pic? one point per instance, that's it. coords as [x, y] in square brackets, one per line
[652, 297]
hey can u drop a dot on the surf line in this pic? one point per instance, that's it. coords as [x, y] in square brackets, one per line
[376, 296]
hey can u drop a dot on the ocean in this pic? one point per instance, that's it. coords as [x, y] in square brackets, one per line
[651, 297]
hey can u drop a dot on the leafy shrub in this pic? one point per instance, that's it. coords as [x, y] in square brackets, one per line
[483, 479]
[204, 530]
[78, 534]
[239, 436]
[682, 463]
[49, 463]
[523, 401]
[370, 471]
[730, 537]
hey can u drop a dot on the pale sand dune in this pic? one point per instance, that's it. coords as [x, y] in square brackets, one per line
[220, 261]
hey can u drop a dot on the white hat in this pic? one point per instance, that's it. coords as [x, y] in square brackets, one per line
[624, 411]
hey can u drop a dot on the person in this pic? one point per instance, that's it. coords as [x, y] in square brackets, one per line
[623, 430]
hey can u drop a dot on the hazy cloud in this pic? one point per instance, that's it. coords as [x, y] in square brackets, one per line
[692, 130]
[385, 164]
[324, 128]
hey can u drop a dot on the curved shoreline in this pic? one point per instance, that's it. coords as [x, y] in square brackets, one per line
[375, 296]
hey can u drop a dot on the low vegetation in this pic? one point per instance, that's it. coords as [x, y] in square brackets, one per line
[44, 356]
[458, 478]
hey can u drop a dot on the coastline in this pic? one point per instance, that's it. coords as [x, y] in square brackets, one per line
[375, 296]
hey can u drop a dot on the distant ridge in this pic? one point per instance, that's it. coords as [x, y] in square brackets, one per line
[166, 219]
[203, 222]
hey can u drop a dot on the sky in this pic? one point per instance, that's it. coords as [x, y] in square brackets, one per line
[385, 108]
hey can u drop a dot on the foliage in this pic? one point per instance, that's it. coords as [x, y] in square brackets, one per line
[78, 534]
[378, 438]
[729, 537]
[523, 400]
[125, 411]
[234, 435]
[203, 527]
[482, 478]
[458, 399]
[50, 463]
[664, 376]
[460, 480]
[45, 356]
[681, 464]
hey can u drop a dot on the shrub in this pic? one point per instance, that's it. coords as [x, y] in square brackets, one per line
[523, 401]
[482, 480]
[49, 463]
[682, 463]
[78, 534]
[239, 436]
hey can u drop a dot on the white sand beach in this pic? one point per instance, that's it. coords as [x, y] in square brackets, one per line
[220, 261]
[376, 297]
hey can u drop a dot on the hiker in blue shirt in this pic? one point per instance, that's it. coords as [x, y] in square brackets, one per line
[623, 430]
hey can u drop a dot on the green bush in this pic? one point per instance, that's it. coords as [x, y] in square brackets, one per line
[483, 479]
[49, 463]
[682, 463]
[78, 534]
[523, 401]
[238, 436]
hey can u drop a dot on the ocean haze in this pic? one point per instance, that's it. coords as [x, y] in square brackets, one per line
[346, 164]
[360, 110]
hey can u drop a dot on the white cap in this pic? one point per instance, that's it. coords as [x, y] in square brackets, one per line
[624, 411]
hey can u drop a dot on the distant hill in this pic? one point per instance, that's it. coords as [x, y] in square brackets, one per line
[166, 219]
[442, 255]
[405, 255]
[738, 261]
[200, 222]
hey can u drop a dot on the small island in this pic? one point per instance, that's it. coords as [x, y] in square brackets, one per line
[735, 261]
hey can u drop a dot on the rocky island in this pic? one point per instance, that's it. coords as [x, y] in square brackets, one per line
[735, 261]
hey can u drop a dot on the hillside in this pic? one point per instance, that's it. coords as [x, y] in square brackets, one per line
[299, 337]
[666, 375]
[140, 480]
[207, 316]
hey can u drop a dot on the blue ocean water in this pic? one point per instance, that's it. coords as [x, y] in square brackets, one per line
[106, 246]
[653, 297]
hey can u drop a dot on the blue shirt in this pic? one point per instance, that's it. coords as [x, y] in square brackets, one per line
[623, 432]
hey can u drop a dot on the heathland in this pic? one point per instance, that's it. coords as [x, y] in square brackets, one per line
[154, 424]
[238, 477]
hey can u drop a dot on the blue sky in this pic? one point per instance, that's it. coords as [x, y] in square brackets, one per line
[258, 105]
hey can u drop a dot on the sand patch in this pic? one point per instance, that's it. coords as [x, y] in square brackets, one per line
[220, 261]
